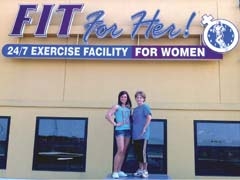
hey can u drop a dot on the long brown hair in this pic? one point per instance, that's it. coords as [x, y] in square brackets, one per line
[128, 103]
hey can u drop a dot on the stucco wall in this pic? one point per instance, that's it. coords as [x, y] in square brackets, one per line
[180, 91]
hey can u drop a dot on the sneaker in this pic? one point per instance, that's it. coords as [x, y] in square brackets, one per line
[115, 175]
[138, 173]
[144, 174]
[122, 174]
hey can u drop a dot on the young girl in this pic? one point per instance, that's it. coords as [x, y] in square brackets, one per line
[140, 133]
[119, 116]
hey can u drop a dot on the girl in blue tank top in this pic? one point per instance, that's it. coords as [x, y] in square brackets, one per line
[119, 116]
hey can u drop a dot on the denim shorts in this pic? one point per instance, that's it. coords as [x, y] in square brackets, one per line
[124, 133]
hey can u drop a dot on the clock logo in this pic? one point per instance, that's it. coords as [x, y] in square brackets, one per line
[219, 35]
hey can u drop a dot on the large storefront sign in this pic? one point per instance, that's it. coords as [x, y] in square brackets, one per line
[219, 36]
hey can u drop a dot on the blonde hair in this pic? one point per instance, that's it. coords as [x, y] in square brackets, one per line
[141, 93]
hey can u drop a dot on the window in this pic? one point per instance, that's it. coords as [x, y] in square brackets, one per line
[60, 144]
[157, 150]
[217, 148]
[4, 133]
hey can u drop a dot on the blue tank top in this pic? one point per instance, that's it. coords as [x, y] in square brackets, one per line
[123, 115]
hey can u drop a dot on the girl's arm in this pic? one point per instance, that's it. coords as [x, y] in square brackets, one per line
[110, 113]
[148, 120]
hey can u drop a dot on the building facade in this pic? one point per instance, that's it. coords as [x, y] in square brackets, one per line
[52, 110]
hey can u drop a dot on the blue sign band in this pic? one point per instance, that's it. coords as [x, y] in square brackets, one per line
[116, 52]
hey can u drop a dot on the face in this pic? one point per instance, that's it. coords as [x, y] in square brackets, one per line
[123, 98]
[139, 100]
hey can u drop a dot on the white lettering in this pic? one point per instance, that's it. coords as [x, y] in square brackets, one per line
[182, 52]
[55, 51]
[146, 51]
[105, 51]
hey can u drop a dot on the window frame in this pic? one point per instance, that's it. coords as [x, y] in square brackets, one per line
[4, 165]
[196, 149]
[36, 146]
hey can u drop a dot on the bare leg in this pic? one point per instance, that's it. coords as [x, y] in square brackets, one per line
[145, 165]
[118, 155]
[126, 143]
[141, 166]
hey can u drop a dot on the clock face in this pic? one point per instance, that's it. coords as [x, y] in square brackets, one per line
[220, 36]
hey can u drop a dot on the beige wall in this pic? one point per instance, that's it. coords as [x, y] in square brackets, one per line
[178, 91]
